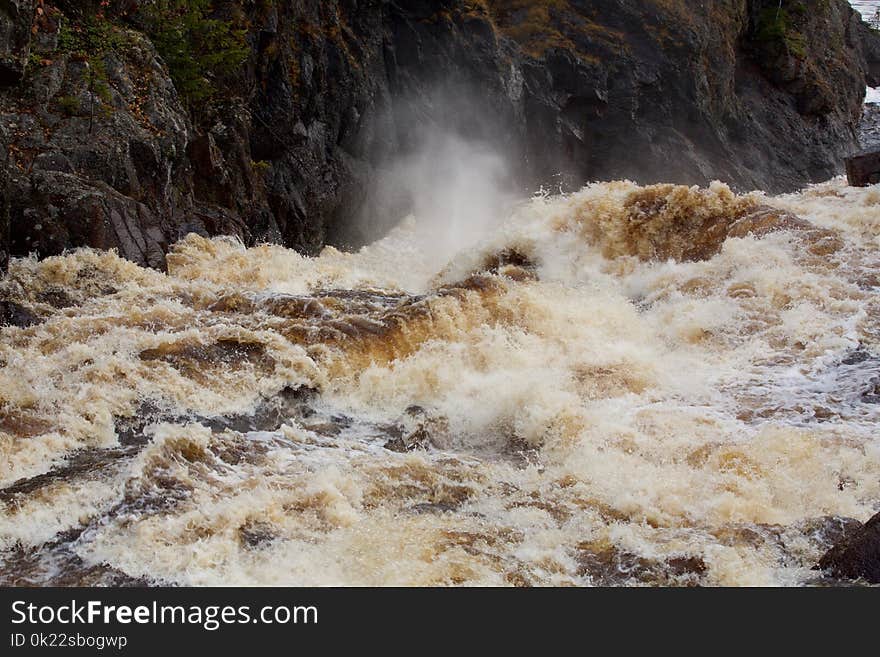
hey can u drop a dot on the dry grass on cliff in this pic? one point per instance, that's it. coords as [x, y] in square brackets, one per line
[544, 24]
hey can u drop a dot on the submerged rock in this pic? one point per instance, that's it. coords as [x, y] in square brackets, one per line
[255, 534]
[857, 555]
[15, 314]
[418, 439]
[56, 564]
[612, 566]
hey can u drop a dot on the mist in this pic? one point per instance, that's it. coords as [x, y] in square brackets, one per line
[444, 163]
[455, 191]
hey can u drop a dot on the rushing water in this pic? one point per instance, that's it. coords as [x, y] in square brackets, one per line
[868, 8]
[624, 385]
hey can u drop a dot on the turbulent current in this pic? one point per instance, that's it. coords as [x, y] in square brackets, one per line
[625, 385]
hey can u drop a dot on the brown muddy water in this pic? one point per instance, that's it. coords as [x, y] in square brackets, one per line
[661, 386]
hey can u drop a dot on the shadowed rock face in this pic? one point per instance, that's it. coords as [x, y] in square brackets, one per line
[334, 90]
[856, 556]
[15, 25]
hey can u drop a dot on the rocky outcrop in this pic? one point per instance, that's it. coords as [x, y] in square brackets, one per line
[856, 556]
[102, 149]
[16, 17]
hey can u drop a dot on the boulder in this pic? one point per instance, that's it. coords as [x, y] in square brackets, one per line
[857, 555]
[15, 314]
[863, 169]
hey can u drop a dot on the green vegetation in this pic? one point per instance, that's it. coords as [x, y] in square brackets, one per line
[97, 80]
[92, 38]
[260, 167]
[69, 105]
[33, 60]
[197, 48]
[541, 25]
[775, 28]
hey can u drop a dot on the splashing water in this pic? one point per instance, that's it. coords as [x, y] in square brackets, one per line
[625, 385]
[867, 8]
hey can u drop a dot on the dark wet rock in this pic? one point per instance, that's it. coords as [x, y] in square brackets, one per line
[872, 394]
[507, 258]
[190, 356]
[686, 566]
[861, 369]
[15, 314]
[416, 429]
[827, 582]
[130, 431]
[821, 532]
[254, 534]
[857, 356]
[512, 264]
[735, 535]
[269, 415]
[331, 91]
[856, 555]
[237, 449]
[520, 451]
[81, 465]
[612, 566]
[434, 507]
[322, 428]
[869, 127]
[154, 493]
[829, 530]
[56, 564]
[418, 439]
[203, 362]
[55, 296]
[863, 168]
[871, 51]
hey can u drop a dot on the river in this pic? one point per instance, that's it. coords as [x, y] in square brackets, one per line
[626, 385]
[623, 385]
[868, 8]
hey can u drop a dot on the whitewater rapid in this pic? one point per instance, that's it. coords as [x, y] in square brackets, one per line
[624, 385]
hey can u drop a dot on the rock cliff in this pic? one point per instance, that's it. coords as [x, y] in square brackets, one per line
[127, 124]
